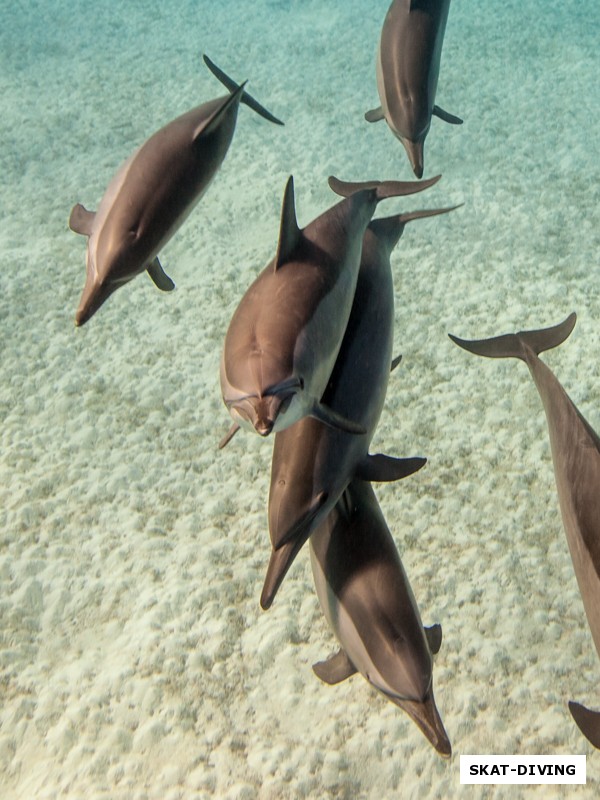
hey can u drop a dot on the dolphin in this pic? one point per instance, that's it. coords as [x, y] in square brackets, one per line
[285, 334]
[313, 463]
[576, 456]
[152, 194]
[368, 602]
[408, 65]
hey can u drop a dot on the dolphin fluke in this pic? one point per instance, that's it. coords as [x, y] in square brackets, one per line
[515, 345]
[587, 721]
[427, 718]
[233, 87]
[384, 188]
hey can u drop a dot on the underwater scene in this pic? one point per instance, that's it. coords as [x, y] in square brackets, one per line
[163, 599]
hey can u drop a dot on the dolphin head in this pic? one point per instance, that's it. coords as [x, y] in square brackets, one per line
[414, 151]
[270, 410]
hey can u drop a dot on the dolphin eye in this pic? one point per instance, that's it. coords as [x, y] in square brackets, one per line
[301, 382]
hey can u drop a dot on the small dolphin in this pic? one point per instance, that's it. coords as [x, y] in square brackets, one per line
[152, 194]
[312, 463]
[576, 456]
[368, 602]
[408, 65]
[285, 334]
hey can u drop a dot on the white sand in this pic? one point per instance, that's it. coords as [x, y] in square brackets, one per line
[134, 659]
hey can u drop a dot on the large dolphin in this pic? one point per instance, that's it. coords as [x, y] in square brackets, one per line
[313, 463]
[576, 457]
[286, 332]
[152, 194]
[408, 65]
[368, 602]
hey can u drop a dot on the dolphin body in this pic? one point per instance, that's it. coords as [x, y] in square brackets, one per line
[368, 602]
[285, 334]
[408, 66]
[313, 463]
[152, 194]
[576, 457]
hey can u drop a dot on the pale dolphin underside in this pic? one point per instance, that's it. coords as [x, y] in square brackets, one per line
[576, 456]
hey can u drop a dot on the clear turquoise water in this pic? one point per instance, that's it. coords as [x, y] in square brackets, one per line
[134, 660]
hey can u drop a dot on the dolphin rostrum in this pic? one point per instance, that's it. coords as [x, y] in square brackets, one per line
[368, 602]
[152, 194]
[576, 457]
[313, 463]
[408, 65]
[286, 332]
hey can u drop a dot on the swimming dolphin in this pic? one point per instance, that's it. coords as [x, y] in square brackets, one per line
[312, 463]
[576, 456]
[286, 332]
[368, 602]
[153, 193]
[408, 65]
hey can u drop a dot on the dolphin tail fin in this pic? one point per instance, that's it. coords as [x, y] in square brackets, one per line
[516, 345]
[587, 721]
[383, 189]
[233, 87]
[81, 220]
[390, 229]
[334, 669]
[446, 116]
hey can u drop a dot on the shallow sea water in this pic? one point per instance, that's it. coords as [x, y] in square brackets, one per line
[134, 659]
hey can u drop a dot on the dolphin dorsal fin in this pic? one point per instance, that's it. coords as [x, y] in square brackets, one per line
[290, 234]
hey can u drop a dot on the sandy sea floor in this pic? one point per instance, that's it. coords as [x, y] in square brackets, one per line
[134, 659]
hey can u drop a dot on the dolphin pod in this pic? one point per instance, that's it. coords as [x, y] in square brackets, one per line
[285, 334]
[576, 457]
[408, 65]
[368, 602]
[313, 463]
[152, 194]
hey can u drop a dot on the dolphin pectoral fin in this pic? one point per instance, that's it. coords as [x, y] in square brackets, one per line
[159, 277]
[375, 114]
[434, 637]
[247, 99]
[335, 669]
[446, 116]
[395, 362]
[587, 721]
[229, 435]
[383, 469]
[290, 234]
[81, 220]
[330, 417]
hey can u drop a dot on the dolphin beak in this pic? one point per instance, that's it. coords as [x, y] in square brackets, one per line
[93, 296]
[427, 718]
[265, 412]
[414, 151]
[264, 426]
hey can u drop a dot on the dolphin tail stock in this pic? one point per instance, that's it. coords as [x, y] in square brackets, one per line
[233, 87]
[446, 116]
[517, 345]
[587, 721]
[383, 189]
